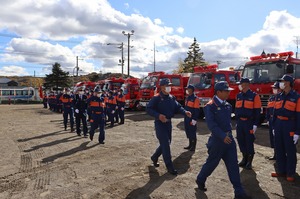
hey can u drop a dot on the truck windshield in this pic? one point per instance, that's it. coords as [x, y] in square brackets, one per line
[263, 73]
[125, 88]
[200, 80]
[149, 82]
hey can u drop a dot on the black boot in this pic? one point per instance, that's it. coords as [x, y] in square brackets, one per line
[244, 160]
[189, 146]
[65, 127]
[193, 145]
[249, 162]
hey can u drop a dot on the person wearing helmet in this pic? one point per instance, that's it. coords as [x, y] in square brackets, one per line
[269, 115]
[286, 125]
[67, 102]
[80, 107]
[96, 104]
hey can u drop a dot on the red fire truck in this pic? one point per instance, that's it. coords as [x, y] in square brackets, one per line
[150, 86]
[113, 83]
[263, 70]
[204, 79]
[131, 88]
[86, 84]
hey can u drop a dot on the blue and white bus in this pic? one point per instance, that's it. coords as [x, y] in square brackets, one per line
[19, 93]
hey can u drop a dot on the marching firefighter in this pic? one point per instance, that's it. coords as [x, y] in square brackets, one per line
[96, 104]
[67, 102]
[269, 115]
[115, 94]
[80, 109]
[163, 107]
[221, 144]
[45, 100]
[286, 124]
[121, 105]
[192, 104]
[111, 105]
[247, 112]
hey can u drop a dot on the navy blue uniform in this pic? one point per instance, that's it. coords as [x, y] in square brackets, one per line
[121, 107]
[97, 117]
[192, 104]
[269, 117]
[67, 102]
[247, 112]
[80, 106]
[168, 106]
[286, 123]
[218, 119]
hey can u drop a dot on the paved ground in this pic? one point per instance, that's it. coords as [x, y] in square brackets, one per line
[40, 160]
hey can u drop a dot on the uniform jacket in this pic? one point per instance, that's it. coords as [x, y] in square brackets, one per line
[67, 100]
[192, 104]
[80, 103]
[96, 105]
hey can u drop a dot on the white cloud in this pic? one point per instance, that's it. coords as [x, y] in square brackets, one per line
[180, 30]
[13, 71]
[126, 5]
[96, 23]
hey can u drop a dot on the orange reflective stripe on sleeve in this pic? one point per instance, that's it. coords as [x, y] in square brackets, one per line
[278, 104]
[298, 105]
[257, 102]
[248, 104]
[291, 106]
[96, 104]
[238, 104]
[271, 104]
[197, 103]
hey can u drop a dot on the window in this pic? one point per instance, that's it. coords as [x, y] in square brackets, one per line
[175, 81]
[220, 77]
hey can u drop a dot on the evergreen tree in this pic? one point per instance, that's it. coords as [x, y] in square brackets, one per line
[194, 58]
[58, 79]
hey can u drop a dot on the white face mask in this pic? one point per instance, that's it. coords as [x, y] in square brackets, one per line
[275, 91]
[240, 87]
[281, 85]
[168, 89]
[68, 93]
[99, 95]
[81, 92]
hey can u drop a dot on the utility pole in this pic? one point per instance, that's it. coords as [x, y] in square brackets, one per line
[154, 57]
[297, 43]
[128, 60]
[122, 54]
[77, 67]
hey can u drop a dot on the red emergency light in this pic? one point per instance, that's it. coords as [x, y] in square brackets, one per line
[272, 55]
[209, 68]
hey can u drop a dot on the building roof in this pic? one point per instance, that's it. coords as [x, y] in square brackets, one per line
[4, 80]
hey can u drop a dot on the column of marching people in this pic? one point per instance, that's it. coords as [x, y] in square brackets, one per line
[92, 109]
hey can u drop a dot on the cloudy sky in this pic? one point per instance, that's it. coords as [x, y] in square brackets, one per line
[34, 34]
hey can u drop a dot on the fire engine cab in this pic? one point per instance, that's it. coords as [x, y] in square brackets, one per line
[131, 88]
[204, 79]
[263, 70]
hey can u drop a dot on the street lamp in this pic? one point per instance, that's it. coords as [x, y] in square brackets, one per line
[128, 36]
[153, 56]
[122, 54]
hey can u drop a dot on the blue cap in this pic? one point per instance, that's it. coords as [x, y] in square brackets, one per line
[190, 86]
[287, 78]
[244, 80]
[165, 82]
[275, 85]
[222, 86]
[97, 90]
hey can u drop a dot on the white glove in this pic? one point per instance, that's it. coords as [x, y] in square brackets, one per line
[254, 129]
[268, 123]
[112, 112]
[122, 109]
[193, 122]
[117, 107]
[273, 131]
[295, 138]
[76, 111]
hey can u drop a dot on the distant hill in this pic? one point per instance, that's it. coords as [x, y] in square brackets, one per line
[38, 81]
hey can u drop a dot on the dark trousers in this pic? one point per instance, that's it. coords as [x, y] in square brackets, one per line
[68, 112]
[272, 138]
[245, 136]
[111, 116]
[164, 136]
[190, 130]
[98, 121]
[286, 152]
[218, 150]
[121, 113]
[81, 117]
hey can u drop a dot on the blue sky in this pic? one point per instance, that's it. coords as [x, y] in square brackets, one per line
[36, 34]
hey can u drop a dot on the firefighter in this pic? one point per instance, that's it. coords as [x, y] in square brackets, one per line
[111, 107]
[286, 124]
[221, 144]
[67, 108]
[192, 104]
[121, 105]
[162, 107]
[269, 115]
[247, 112]
[97, 105]
[45, 100]
[115, 94]
[80, 106]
